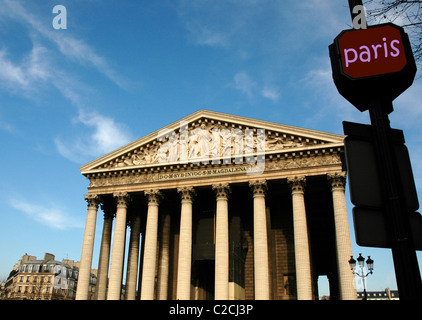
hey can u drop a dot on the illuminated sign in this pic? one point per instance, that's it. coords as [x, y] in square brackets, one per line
[370, 52]
[372, 63]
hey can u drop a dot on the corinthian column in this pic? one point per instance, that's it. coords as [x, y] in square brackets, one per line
[302, 256]
[260, 240]
[222, 243]
[150, 248]
[118, 250]
[101, 289]
[87, 248]
[185, 244]
[343, 242]
[132, 266]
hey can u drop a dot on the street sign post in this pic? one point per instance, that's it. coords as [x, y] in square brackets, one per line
[371, 67]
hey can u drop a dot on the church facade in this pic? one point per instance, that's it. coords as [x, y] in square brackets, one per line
[217, 206]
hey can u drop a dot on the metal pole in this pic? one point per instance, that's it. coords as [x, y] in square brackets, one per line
[404, 255]
[363, 281]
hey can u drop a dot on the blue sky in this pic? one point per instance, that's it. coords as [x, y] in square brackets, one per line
[123, 69]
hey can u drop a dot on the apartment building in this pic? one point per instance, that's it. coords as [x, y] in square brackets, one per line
[46, 279]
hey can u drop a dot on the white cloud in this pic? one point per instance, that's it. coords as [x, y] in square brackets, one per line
[104, 136]
[9, 72]
[243, 82]
[270, 93]
[108, 134]
[25, 77]
[83, 53]
[100, 134]
[38, 66]
[6, 126]
[51, 216]
[323, 92]
[206, 35]
[68, 46]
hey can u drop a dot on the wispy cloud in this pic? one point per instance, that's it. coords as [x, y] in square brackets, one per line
[51, 216]
[205, 35]
[99, 134]
[24, 75]
[244, 83]
[6, 126]
[67, 45]
[320, 89]
[9, 72]
[270, 93]
[104, 135]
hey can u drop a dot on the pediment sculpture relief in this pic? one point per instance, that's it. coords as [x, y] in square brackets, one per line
[206, 142]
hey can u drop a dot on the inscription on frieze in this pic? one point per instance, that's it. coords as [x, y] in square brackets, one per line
[201, 173]
[274, 165]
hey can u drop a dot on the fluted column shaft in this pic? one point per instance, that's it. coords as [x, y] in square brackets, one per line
[132, 267]
[118, 250]
[343, 241]
[185, 245]
[163, 267]
[101, 289]
[302, 255]
[87, 248]
[261, 270]
[221, 291]
[150, 248]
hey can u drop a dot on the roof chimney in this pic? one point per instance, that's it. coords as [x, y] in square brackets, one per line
[48, 257]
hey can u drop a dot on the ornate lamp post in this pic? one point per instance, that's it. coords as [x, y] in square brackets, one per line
[361, 264]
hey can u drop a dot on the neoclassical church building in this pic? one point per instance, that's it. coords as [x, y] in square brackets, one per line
[217, 206]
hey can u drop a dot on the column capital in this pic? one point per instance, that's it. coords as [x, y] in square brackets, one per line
[297, 184]
[337, 180]
[93, 200]
[108, 205]
[222, 190]
[154, 196]
[186, 193]
[122, 199]
[259, 187]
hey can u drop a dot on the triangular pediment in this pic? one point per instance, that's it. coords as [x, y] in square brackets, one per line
[181, 142]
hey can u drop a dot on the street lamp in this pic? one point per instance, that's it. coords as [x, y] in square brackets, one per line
[361, 265]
